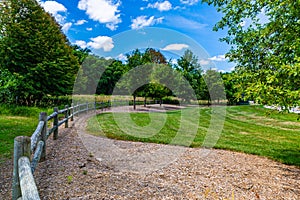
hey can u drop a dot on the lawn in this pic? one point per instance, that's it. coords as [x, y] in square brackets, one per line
[249, 129]
[16, 121]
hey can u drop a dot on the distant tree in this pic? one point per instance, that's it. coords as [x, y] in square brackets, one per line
[80, 53]
[89, 75]
[266, 51]
[138, 59]
[230, 83]
[113, 72]
[215, 86]
[35, 51]
[191, 70]
[153, 56]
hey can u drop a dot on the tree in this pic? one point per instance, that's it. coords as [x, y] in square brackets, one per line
[90, 79]
[191, 70]
[214, 86]
[139, 81]
[113, 72]
[35, 51]
[266, 49]
[229, 80]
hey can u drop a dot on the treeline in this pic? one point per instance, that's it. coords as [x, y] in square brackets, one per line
[39, 66]
[150, 74]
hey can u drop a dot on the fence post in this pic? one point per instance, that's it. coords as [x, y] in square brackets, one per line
[55, 123]
[21, 148]
[72, 112]
[87, 107]
[67, 116]
[43, 117]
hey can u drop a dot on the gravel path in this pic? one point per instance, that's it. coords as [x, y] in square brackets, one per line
[81, 166]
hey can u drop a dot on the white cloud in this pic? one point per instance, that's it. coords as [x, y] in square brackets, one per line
[101, 42]
[189, 2]
[81, 43]
[204, 62]
[55, 8]
[89, 29]
[80, 22]
[103, 11]
[121, 57]
[175, 47]
[161, 6]
[65, 28]
[219, 58]
[142, 21]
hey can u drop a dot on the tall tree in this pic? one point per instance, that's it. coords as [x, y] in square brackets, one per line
[113, 72]
[35, 51]
[191, 70]
[142, 75]
[265, 41]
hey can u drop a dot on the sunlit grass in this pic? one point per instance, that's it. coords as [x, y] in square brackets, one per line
[249, 129]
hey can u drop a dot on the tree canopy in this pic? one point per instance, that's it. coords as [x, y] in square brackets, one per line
[34, 51]
[264, 39]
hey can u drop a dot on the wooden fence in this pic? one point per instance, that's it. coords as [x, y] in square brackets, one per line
[28, 151]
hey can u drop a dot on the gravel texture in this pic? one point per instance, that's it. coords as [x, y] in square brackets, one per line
[81, 166]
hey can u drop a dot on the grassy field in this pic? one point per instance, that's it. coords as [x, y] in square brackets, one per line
[249, 129]
[15, 121]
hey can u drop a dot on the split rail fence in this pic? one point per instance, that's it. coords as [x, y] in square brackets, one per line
[29, 151]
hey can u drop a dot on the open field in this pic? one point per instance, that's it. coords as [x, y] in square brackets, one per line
[249, 129]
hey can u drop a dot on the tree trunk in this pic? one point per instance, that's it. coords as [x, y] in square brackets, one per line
[145, 100]
[134, 98]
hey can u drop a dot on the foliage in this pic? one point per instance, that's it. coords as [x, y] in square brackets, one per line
[110, 77]
[264, 36]
[191, 70]
[229, 81]
[35, 51]
[89, 74]
[142, 80]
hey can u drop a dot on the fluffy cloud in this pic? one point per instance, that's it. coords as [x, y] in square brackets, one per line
[189, 2]
[89, 29]
[65, 28]
[59, 11]
[204, 62]
[56, 9]
[103, 11]
[121, 57]
[81, 43]
[80, 22]
[219, 58]
[175, 47]
[161, 6]
[101, 42]
[53, 7]
[142, 21]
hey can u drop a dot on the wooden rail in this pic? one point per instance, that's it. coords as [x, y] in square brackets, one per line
[29, 151]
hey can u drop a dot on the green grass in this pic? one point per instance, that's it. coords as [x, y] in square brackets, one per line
[249, 129]
[16, 121]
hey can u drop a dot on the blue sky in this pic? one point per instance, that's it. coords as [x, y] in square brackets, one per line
[112, 28]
